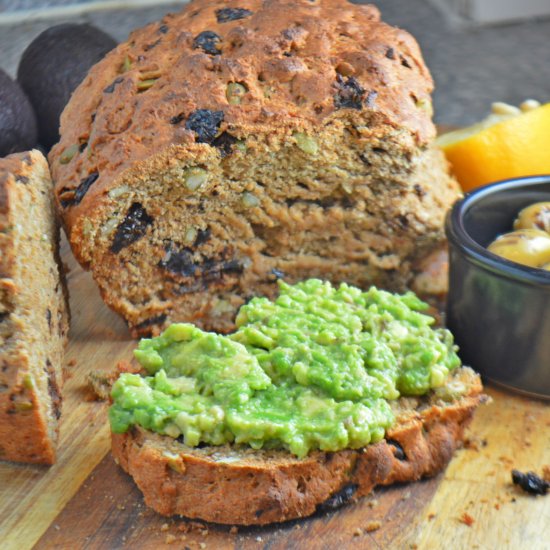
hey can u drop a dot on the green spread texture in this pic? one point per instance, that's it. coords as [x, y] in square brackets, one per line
[314, 369]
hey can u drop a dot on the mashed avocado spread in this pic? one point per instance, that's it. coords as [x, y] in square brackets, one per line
[314, 369]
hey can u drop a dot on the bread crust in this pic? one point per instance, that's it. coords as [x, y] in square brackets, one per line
[24, 434]
[297, 48]
[33, 311]
[246, 487]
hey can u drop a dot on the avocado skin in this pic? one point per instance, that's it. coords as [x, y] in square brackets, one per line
[17, 119]
[53, 65]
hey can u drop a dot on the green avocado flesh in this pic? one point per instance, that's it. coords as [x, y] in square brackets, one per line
[314, 369]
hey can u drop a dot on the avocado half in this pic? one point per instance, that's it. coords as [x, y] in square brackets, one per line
[17, 118]
[53, 65]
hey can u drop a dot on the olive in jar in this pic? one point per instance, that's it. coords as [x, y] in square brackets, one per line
[534, 216]
[529, 247]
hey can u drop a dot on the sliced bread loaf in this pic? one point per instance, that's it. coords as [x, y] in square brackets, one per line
[237, 485]
[33, 311]
[239, 142]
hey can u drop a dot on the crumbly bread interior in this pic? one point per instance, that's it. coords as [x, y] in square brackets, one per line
[33, 318]
[191, 236]
[241, 141]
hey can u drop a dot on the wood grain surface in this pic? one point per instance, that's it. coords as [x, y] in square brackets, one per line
[85, 501]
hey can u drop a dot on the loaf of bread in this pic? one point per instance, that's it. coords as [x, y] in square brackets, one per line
[243, 486]
[33, 311]
[240, 142]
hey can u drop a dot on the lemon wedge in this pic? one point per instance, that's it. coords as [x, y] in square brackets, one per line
[511, 142]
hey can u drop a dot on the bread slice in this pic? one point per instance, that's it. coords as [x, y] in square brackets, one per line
[33, 311]
[237, 485]
[224, 148]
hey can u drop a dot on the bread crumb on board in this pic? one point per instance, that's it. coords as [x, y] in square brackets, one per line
[99, 385]
[467, 519]
[100, 382]
[185, 527]
[373, 526]
[474, 443]
[508, 461]
[369, 528]
[193, 526]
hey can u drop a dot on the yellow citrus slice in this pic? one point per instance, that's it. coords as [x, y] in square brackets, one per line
[500, 147]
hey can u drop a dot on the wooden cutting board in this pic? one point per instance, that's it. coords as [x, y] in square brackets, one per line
[86, 501]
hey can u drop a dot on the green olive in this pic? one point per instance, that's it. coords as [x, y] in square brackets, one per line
[535, 216]
[529, 247]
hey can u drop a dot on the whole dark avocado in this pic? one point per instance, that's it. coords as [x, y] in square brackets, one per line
[53, 65]
[17, 119]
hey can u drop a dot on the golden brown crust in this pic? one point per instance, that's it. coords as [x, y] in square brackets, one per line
[33, 311]
[294, 51]
[225, 485]
[24, 433]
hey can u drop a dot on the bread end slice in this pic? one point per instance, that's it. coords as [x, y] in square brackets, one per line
[237, 485]
[33, 311]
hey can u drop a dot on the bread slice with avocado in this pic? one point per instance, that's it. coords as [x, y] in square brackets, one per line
[247, 487]
[317, 398]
